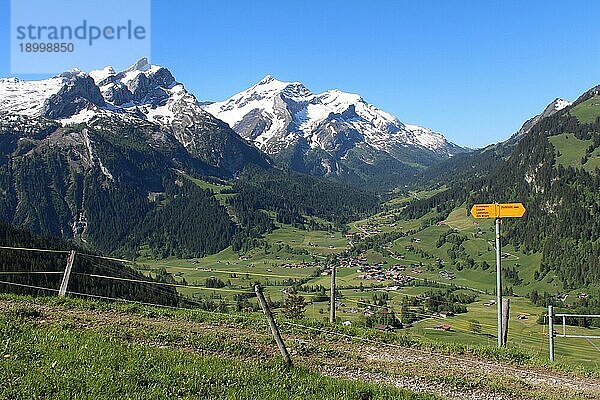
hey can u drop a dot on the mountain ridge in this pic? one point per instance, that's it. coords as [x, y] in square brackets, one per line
[139, 94]
[334, 133]
[319, 132]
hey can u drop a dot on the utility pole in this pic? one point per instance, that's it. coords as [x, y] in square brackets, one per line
[499, 282]
[274, 330]
[505, 319]
[332, 296]
[62, 290]
[551, 332]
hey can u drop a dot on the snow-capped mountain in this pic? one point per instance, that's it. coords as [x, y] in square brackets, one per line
[285, 119]
[332, 133]
[141, 94]
[90, 156]
[55, 98]
[142, 90]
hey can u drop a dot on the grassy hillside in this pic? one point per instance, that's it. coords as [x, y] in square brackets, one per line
[216, 187]
[570, 151]
[61, 360]
[587, 111]
[72, 348]
[553, 171]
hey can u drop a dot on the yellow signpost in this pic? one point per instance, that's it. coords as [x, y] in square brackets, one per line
[484, 210]
[511, 210]
[498, 211]
[495, 210]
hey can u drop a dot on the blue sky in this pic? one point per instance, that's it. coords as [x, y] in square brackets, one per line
[473, 70]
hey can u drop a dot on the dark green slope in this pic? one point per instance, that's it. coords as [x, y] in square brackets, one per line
[563, 201]
[109, 183]
[382, 171]
[296, 194]
[13, 260]
[117, 187]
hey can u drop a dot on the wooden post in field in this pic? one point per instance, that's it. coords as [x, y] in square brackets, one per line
[505, 319]
[274, 330]
[332, 296]
[62, 290]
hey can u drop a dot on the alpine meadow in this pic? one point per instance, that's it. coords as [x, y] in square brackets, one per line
[235, 216]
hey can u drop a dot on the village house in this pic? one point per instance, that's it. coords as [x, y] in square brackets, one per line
[447, 275]
[443, 327]
[386, 328]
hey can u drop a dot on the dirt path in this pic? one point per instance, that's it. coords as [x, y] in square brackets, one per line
[421, 371]
[449, 376]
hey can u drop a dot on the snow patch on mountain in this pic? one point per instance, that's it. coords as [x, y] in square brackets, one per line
[560, 104]
[425, 137]
[27, 97]
[102, 74]
[79, 118]
[92, 158]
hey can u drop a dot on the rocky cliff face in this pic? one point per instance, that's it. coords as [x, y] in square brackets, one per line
[78, 93]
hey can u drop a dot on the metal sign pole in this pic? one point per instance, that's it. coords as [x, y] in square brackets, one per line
[551, 332]
[332, 296]
[498, 211]
[499, 283]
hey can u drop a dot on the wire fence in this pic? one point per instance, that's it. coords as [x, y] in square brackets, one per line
[114, 270]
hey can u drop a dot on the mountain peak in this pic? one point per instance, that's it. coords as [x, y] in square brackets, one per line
[558, 104]
[269, 84]
[555, 106]
[141, 65]
[72, 73]
[279, 115]
[266, 80]
[101, 74]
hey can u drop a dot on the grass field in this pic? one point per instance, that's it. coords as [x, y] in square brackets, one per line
[215, 187]
[286, 245]
[572, 150]
[56, 348]
[59, 361]
[588, 111]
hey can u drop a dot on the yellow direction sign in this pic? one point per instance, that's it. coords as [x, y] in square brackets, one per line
[511, 210]
[506, 210]
[484, 211]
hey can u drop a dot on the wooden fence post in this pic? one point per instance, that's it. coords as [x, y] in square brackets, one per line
[505, 319]
[332, 296]
[265, 307]
[62, 290]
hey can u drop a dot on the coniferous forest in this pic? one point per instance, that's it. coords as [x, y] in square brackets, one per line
[34, 269]
[563, 202]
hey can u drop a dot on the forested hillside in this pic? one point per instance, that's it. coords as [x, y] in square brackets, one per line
[24, 270]
[117, 186]
[562, 200]
[291, 195]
